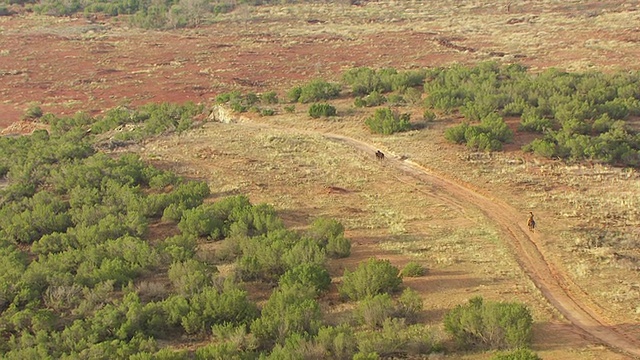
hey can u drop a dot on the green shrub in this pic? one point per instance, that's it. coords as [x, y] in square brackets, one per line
[267, 112]
[269, 98]
[490, 324]
[457, 133]
[288, 311]
[319, 110]
[387, 121]
[201, 221]
[305, 251]
[290, 109]
[33, 112]
[179, 247]
[296, 346]
[262, 256]
[413, 269]
[370, 278]
[339, 247]
[533, 120]
[315, 90]
[190, 276]
[396, 339]
[293, 95]
[519, 354]
[308, 275]
[372, 311]
[364, 80]
[410, 304]
[236, 335]
[373, 99]
[329, 233]
[428, 115]
[218, 351]
[4, 10]
[366, 356]
[542, 147]
[200, 311]
[338, 342]
[324, 229]
[396, 99]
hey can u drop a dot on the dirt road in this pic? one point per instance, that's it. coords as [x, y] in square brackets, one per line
[556, 287]
[560, 291]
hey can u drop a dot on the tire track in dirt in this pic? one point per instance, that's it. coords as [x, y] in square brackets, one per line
[557, 288]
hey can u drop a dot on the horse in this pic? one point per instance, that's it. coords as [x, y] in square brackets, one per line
[530, 222]
[379, 155]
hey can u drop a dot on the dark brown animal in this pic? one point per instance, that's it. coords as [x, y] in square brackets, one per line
[530, 222]
[379, 155]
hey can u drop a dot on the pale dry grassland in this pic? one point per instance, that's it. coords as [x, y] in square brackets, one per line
[575, 35]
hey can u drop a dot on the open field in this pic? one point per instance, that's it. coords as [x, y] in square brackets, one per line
[587, 215]
[70, 64]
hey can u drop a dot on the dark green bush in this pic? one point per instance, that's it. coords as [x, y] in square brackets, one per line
[373, 99]
[387, 121]
[190, 276]
[267, 112]
[396, 339]
[33, 112]
[489, 135]
[338, 342]
[542, 147]
[490, 324]
[519, 354]
[304, 251]
[533, 120]
[308, 275]
[329, 233]
[319, 110]
[269, 98]
[202, 221]
[410, 304]
[338, 247]
[364, 81]
[370, 278]
[428, 115]
[373, 311]
[457, 133]
[315, 90]
[413, 269]
[288, 311]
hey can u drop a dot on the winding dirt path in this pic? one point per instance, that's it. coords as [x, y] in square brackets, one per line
[561, 292]
[573, 303]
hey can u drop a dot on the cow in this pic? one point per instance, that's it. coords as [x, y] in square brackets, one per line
[379, 155]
